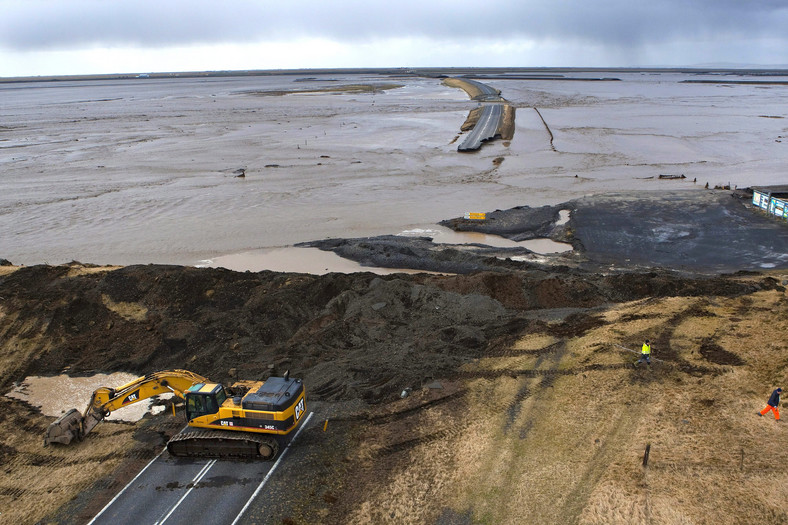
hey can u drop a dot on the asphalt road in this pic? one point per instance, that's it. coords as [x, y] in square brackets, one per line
[177, 490]
[487, 91]
[485, 129]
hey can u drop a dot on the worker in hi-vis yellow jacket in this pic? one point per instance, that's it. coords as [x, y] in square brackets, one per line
[645, 353]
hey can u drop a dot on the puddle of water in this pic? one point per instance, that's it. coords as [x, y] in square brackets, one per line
[441, 235]
[546, 246]
[292, 259]
[563, 217]
[58, 394]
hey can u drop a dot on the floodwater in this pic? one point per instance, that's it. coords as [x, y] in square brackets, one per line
[319, 262]
[294, 259]
[59, 394]
[143, 170]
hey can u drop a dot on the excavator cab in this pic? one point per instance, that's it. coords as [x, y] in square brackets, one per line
[203, 399]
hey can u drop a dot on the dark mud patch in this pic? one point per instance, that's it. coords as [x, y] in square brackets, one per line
[520, 223]
[635, 317]
[709, 231]
[420, 253]
[452, 517]
[714, 353]
[7, 452]
[576, 325]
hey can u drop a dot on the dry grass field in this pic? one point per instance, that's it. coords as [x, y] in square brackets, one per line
[554, 429]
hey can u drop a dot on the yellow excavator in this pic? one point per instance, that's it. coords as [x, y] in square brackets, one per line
[245, 420]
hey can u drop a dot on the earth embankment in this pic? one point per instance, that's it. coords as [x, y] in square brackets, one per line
[358, 341]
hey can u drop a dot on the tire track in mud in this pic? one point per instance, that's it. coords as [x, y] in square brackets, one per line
[451, 432]
[329, 391]
[380, 419]
[595, 468]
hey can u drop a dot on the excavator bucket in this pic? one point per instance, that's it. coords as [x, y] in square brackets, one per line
[66, 429]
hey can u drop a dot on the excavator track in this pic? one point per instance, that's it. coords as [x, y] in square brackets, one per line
[223, 444]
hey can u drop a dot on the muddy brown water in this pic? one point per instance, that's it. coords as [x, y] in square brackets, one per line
[130, 171]
[315, 261]
[58, 394]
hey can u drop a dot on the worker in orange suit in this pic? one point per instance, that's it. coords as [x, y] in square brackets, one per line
[772, 404]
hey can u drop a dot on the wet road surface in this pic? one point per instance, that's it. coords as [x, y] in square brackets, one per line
[485, 129]
[178, 490]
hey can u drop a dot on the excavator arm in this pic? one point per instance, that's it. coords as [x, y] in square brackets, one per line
[73, 425]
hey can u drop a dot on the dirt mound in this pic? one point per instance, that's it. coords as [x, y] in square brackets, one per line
[393, 331]
[145, 318]
[358, 341]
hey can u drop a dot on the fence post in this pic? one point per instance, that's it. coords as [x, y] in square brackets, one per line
[645, 455]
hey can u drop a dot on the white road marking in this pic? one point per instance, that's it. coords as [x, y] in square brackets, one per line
[265, 479]
[196, 480]
[199, 476]
[124, 488]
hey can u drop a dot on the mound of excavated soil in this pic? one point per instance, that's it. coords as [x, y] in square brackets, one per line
[144, 318]
[357, 340]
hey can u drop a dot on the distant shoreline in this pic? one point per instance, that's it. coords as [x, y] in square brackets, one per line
[403, 71]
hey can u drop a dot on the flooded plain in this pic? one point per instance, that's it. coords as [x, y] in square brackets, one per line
[145, 170]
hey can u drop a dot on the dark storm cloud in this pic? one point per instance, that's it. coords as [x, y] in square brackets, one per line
[47, 25]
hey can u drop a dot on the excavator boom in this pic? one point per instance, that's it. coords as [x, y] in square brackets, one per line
[73, 426]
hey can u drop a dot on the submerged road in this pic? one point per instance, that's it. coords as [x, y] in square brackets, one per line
[177, 490]
[485, 129]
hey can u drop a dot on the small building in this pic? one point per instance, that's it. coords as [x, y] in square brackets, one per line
[772, 199]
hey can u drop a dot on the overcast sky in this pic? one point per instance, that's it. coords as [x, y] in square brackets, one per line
[55, 37]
